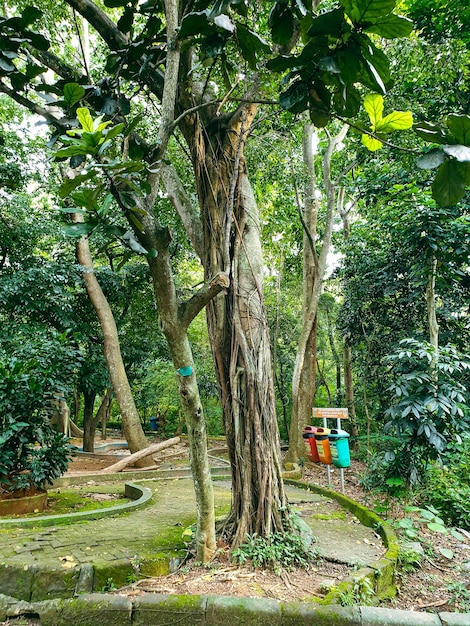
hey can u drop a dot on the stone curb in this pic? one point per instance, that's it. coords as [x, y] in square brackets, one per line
[138, 494]
[67, 481]
[381, 573]
[156, 609]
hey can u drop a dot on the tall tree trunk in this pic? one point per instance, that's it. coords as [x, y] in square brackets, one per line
[347, 355]
[131, 426]
[174, 325]
[431, 306]
[314, 270]
[231, 243]
[89, 424]
[349, 396]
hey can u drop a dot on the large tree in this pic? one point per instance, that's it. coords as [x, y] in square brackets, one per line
[199, 65]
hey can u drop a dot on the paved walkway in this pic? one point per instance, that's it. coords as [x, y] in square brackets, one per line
[50, 562]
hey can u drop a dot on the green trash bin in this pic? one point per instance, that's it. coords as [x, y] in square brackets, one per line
[339, 446]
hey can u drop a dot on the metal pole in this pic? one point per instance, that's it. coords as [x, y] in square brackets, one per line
[328, 470]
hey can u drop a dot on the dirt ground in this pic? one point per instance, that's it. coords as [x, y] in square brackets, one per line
[437, 584]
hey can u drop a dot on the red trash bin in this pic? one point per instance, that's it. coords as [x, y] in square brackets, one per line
[310, 443]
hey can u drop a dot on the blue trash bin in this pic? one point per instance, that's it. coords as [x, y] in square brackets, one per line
[339, 447]
[153, 423]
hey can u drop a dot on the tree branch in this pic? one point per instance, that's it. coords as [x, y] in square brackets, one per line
[100, 22]
[33, 107]
[170, 89]
[187, 212]
[198, 301]
[53, 62]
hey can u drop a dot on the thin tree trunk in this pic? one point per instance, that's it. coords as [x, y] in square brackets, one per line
[89, 424]
[431, 306]
[347, 355]
[131, 425]
[314, 271]
[349, 396]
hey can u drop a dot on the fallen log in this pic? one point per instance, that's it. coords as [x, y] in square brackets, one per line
[141, 454]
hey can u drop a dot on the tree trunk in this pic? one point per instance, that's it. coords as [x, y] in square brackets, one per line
[89, 423]
[347, 355]
[431, 306]
[237, 324]
[303, 379]
[349, 396]
[175, 331]
[131, 425]
[105, 417]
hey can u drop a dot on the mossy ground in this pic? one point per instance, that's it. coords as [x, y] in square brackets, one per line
[84, 498]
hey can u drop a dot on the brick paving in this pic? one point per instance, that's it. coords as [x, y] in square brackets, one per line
[151, 533]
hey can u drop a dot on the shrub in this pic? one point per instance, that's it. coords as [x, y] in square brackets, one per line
[429, 408]
[32, 453]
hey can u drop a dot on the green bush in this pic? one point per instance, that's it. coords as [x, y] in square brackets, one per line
[448, 488]
[32, 453]
[429, 406]
[278, 551]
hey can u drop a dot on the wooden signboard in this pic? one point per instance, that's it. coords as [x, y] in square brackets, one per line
[330, 413]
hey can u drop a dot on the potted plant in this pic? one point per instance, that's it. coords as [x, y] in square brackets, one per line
[32, 453]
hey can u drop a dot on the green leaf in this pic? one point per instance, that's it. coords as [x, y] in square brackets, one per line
[437, 528]
[457, 535]
[195, 24]
[371, 143]
[37, 40]
[223, 21]
[282, 63]
[73, 93]
[29, 15]
[78, 230]
[459, 126]
[430, 132]
[449, 185]
[329, 23]
[126, 20]
[70, 151]
[446, 552]
[376, 65]
[295, 98]
[6, 65]
[374, 105]
[397, 120]
[73, 183]
[250, 44]
[361, 11]
[113, 132]
[85, 119]
[282, 23]
[392, 27]
[431, 160]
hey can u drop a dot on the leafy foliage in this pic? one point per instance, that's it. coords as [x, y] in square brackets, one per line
[381, 126]
[32, 452]
[430, 404]
[451, 157]
[280, 551]
[448, 486]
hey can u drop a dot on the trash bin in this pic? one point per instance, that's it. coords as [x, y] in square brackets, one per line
[310, 443]
[339, 447]
[323, 445]
[153, 423]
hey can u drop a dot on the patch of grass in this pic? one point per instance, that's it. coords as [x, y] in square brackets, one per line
[87, 498]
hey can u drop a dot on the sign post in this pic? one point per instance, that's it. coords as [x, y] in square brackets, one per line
[327, 413]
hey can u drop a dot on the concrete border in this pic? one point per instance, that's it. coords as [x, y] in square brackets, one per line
[156, 609]
[381, 573]
[183, 472]
[139, 495]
